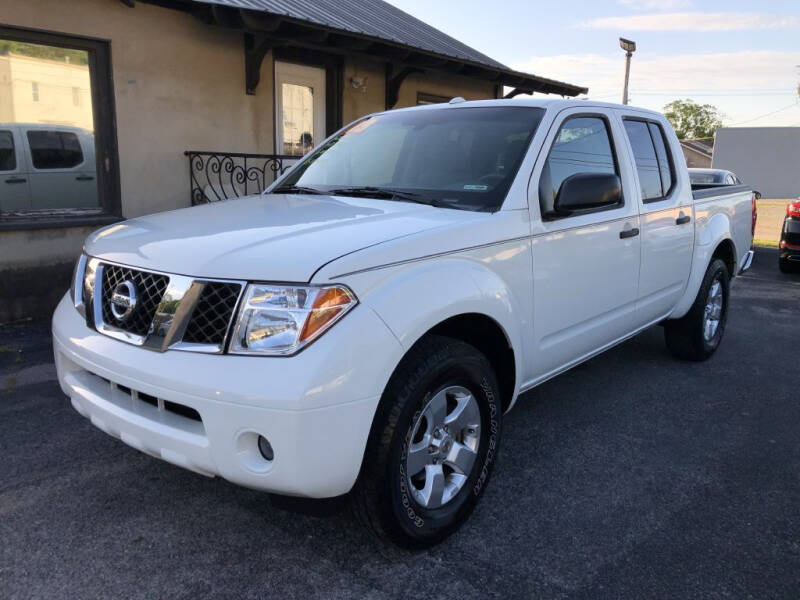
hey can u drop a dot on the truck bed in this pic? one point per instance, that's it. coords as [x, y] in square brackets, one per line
[701, 191]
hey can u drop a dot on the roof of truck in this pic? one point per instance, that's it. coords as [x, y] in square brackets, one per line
[538, 102]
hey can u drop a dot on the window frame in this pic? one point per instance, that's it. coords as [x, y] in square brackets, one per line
[550, 216]
[670, 159]
[105, 136]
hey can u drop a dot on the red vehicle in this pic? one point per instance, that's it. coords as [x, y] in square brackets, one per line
[789, 246]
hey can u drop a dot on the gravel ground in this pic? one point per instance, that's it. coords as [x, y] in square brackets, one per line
[631, 476]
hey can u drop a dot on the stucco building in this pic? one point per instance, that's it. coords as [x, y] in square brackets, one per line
[108, 96]
[767, 158]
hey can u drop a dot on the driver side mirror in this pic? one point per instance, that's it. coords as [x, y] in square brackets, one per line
[583, 191]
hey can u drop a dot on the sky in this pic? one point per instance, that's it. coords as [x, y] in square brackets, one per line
[742, 57]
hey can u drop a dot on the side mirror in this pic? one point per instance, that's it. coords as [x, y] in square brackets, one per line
[758, 194]
[588, 190]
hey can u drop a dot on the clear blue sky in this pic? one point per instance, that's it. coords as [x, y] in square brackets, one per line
[741, 56]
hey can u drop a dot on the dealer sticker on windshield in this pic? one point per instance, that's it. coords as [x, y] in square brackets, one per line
[476, 187]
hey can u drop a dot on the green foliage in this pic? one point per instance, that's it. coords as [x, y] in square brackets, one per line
[66, 55]
[692, 120]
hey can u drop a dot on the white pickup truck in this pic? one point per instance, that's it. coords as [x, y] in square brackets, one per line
[365, 324]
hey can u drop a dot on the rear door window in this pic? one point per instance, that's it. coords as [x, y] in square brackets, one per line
[653, 159]
[644, 153]
[54, 149]
[665, 164]
[8, 155]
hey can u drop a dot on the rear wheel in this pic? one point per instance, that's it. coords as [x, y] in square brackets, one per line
[697, 335]
[432, 446]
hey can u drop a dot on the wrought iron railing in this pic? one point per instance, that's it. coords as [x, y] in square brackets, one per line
[216, 176]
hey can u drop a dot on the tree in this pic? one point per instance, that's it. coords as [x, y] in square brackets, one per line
[692, 120]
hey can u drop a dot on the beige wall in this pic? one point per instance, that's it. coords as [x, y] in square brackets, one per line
[442, 84]
[371, 96]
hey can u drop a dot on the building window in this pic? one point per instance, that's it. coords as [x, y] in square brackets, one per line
[423, 98]
[61, 146]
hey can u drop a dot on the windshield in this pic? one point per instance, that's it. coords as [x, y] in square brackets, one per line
[707, 177]
[455, 157]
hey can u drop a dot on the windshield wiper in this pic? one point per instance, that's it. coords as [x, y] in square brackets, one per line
[390, 194]
[297, 189]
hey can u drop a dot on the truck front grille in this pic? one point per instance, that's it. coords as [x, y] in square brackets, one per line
[212, 315]
[160, 311]
[150, 290]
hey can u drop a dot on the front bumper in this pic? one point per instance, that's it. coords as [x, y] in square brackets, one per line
[205, 412]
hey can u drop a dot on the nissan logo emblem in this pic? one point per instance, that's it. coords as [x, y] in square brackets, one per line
[123, 300]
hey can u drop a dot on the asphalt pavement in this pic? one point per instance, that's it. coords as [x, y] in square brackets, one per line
[632, 476]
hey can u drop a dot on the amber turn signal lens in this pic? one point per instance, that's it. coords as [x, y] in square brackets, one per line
[327, 306]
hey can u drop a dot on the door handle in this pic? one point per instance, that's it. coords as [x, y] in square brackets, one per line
[84, 178]
[16, 180]
[682, 220]
[628, 233]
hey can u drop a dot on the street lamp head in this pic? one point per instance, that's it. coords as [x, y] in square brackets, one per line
[627, 45]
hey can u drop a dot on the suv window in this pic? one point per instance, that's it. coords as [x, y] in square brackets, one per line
[8, 158]
[583, 145]
[54, 149]
[653, 161]
[665, 165]
[644, 153]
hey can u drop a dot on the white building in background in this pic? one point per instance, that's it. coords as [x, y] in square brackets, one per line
[39, 90]
[767, 158]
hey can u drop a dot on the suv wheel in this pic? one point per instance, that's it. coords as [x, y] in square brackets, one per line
[697, 335]
[433, 444]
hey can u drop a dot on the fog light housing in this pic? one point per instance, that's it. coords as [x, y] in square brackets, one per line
[265, 448]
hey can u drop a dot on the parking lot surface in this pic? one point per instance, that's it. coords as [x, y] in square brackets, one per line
[631, 476]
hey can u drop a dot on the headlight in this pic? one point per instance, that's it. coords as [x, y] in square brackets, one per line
[282, 319]
[76, 286]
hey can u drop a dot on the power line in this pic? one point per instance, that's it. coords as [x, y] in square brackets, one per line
[765, 115]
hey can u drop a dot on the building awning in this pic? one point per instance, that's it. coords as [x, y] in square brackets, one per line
[373, 28]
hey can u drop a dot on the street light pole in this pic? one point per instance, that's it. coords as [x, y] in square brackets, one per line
[629, 47]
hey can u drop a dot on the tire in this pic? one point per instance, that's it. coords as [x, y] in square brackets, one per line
[687, 337]
[386, 496]
[785, 266]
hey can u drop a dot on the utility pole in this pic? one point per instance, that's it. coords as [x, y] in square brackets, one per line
[629, 47]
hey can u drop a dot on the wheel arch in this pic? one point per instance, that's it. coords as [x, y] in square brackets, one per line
[488, 337]
[460, 299]
[721, 246]
[726, 251]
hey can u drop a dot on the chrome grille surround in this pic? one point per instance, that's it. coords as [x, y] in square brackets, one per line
[170, 303]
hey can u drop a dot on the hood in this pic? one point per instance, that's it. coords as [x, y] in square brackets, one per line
[274, 237]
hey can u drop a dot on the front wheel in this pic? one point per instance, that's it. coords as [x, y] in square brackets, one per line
[697, 335]
[432, 445]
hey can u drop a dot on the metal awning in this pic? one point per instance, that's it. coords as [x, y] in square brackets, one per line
[373, 28]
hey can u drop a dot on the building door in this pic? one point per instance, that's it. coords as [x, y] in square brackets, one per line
[299, 108]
